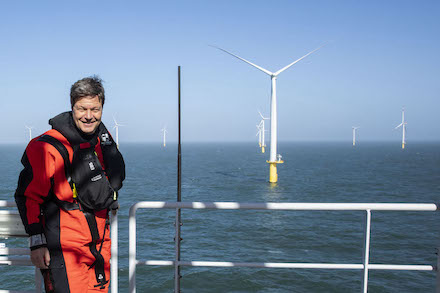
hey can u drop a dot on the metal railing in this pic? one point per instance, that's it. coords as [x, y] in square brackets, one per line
[11, 226]
[365, 266]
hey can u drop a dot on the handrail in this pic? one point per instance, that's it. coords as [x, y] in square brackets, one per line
[367, 207]
[5, 252]
[288, 206]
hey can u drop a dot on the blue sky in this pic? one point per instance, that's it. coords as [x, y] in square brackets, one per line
[381, 55]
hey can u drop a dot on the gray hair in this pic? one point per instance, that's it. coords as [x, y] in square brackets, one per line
[89, 86]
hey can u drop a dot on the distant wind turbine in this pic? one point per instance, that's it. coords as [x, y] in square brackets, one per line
[117, 130]
[164, 131]
[273, 159]
[30, 131]
[263, 140]
[403, 125]
[354, 134]
[259, 134]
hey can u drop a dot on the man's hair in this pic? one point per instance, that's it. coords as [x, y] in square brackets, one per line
[89, 86]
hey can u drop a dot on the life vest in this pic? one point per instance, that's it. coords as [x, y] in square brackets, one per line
[90, 185]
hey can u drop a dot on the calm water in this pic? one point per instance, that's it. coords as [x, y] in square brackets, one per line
[313, 172]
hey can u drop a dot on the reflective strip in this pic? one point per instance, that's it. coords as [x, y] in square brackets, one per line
[37, 239]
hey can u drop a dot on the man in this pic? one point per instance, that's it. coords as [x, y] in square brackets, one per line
[68, 185]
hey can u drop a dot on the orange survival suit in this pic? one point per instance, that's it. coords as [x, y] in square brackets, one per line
[57, 203]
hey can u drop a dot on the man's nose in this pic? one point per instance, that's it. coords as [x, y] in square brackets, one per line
[89, 114]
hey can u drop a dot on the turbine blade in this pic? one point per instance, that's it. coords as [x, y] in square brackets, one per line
[244, 60]
[296, 61]
[398, 125]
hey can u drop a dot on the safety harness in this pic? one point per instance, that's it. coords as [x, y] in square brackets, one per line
[91, 192]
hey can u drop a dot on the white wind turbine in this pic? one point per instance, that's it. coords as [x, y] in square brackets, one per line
[30, 131]
[273, 161]
[263, 140]
[354, 134]
[259, 133]
[164, 131]
[117, 130]
[403, 125]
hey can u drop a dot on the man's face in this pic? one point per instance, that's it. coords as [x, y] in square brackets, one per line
[87, 113]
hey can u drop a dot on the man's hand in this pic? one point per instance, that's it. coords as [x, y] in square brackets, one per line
[40, 257]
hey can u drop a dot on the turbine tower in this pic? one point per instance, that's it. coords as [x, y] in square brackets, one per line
[30, 131]
[164, 131]
[354, 134]
[403, 125]
[259, 134]
[263, 140]
[274, 159]
[117, 131]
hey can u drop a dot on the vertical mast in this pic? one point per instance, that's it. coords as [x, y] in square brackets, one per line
[179, 199]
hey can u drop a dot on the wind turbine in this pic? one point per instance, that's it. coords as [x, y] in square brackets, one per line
[164, 130]
[403, 125]
[273, 158]
[263, 141]
[354, 134]
[259, 134]
[30, 131]
[117, 130]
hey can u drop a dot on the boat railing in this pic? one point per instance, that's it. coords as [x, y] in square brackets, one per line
[364, 207]
[12, 227]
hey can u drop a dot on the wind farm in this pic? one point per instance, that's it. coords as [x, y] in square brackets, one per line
[274, 158]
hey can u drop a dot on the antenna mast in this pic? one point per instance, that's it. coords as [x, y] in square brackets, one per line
[179, 199]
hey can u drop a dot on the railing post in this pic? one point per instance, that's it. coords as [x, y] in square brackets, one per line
[366, 251]
[177, 250]
[132, 249]
[437, 287]
[114, 251]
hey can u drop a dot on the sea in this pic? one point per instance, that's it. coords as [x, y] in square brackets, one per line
[337, 172]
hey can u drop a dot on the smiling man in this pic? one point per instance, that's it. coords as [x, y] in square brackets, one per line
[68, 185]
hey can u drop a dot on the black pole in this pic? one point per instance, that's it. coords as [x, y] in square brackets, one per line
[177, 275]
[179, 152]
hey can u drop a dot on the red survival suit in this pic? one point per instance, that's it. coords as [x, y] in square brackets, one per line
[78, 240]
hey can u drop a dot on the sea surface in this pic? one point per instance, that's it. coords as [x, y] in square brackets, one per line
[312, 172]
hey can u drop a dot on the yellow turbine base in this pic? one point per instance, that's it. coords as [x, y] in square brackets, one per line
[403, 145]
[259, 145]
[273, 176]
[262, 149]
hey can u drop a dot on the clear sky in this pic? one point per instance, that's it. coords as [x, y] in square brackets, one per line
[381, 55]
